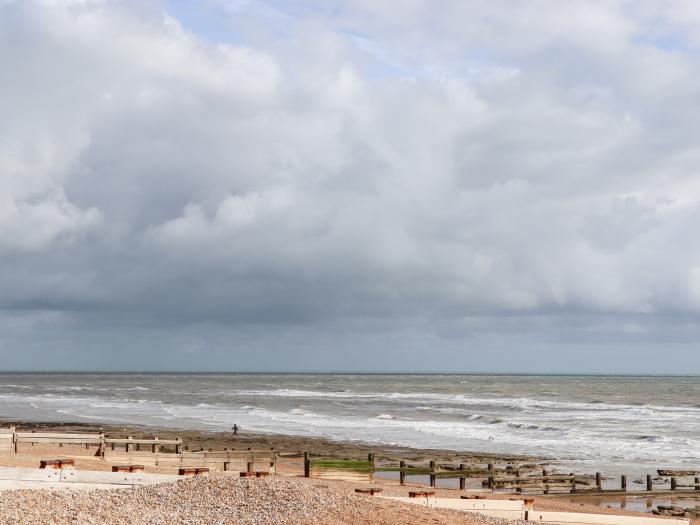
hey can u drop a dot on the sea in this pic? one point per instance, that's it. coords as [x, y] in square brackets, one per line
[587, 423]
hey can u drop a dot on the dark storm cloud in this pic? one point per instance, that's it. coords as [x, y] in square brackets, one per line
[333, 184]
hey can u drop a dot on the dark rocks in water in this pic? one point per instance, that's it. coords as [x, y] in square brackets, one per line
[447, 466]
[669, 510]
[655, 481]
[678, 473]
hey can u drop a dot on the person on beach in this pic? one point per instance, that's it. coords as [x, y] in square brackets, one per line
[235, 430]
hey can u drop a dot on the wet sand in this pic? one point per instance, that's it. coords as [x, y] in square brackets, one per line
[199, 439]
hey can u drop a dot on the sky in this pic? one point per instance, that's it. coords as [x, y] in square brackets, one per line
[368, 185]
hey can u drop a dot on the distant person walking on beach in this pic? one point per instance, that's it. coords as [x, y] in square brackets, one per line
[235, 430]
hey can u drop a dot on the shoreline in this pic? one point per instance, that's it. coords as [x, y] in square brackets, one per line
[318, 446]
[213, 439]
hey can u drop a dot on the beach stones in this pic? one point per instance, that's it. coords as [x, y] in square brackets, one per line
[219, 500]
[669, 510]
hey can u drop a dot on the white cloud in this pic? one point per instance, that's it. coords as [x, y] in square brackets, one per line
[420, 164]
[36, 225]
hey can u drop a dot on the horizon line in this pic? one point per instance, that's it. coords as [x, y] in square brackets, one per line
[348, 372]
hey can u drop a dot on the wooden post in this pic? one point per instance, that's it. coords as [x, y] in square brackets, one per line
[156, 447]
[490, 469]
[432, 473]
[307, 465]
[546, 481]
[598, 482]
[178, 446]
[402, 472]
[13, 429]
[649, 483]
[518, 489]
[697, 483]
[101, 449]
[129, 446]
[674, 484]
[623, 483]
[573, 482]
[250, 467]
[462, 479]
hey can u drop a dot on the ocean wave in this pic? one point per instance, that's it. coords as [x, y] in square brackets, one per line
[583, 409]
[586, 430]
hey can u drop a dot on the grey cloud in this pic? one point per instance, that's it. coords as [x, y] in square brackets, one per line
[479, 180]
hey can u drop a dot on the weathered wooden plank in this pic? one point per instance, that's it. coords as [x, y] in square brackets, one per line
[29, 474]
[494, 508]
[62, 441]
[574, 518]
[18, 477]
[118, 478]
[142, 441]
[57, 485]
[58, 435]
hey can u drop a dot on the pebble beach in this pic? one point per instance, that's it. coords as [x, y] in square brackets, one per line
[219, 500]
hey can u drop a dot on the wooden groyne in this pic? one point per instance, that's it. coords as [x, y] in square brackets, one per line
[523, 480]
[151, 451]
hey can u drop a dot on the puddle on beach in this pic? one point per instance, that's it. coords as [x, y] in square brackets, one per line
[632, 503]
[635, 503]
[444, 483]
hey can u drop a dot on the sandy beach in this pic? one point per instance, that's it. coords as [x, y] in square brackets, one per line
[221, 500]
[197, 440]
[225, 498]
